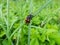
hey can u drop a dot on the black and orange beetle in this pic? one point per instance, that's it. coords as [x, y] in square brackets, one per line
[28, 18]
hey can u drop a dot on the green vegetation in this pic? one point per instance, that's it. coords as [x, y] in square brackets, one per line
[43, 29]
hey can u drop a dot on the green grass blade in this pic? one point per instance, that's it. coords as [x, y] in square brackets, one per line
[42, 7]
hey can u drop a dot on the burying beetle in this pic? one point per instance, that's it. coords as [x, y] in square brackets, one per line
[28, 19]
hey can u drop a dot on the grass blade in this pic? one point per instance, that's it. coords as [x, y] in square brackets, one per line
[41, 8]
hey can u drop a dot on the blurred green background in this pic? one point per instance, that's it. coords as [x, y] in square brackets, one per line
[43, 29]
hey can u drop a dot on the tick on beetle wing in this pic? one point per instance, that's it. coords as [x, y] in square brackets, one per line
[28, 19]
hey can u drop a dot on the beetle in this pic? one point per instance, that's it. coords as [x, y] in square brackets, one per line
[28, 18]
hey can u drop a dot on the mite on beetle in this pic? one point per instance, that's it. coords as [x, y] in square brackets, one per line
[28, 18]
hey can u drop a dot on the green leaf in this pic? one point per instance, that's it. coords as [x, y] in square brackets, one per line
[6, 42]
[34, 42]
